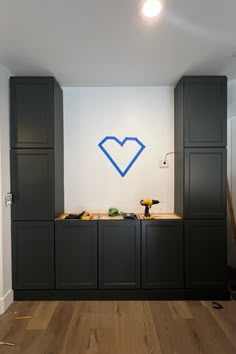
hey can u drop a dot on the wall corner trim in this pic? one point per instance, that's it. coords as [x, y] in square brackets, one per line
[6, 301]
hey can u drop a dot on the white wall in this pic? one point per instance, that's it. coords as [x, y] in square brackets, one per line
[90, 114]
[5, 225]
[232, 165]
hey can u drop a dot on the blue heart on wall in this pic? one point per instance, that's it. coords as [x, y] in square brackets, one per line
[122, 143]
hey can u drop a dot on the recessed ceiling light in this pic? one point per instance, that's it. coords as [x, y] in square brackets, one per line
[151, 8]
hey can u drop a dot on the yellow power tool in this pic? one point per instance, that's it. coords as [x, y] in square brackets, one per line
[84, 215]
[148, 203]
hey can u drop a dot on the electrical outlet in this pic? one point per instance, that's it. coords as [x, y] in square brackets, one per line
[163, 163]
[8, 199]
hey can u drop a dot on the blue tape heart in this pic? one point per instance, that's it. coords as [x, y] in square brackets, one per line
[121, 143]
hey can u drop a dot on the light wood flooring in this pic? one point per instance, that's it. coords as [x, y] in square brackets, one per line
[119, 327]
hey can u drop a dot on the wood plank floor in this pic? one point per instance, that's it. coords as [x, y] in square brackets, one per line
[119, 327]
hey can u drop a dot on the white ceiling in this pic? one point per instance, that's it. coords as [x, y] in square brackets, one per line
[105, 43]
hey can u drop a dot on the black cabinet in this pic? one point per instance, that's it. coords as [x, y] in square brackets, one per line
[200, 141]
[33, 255]
[200, 176]
[76, 254]
[32, 184]
[37, 173]
[203, 111]
[162, 254]
[34, 111]
[119, 254]
[205, 183]
[205, 253]
[37, 178]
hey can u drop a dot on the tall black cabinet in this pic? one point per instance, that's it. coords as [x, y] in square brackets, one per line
[200, 176]
[37, 181]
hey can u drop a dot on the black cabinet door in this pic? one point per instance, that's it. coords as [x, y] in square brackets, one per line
[76, 254]
[162, 254]
[32, 184]
[31, 112]
[205, 253]
[205, 111]
[205, 183]
[119, 254]
[33, 255]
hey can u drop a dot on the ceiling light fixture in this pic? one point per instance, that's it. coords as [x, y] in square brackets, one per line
[151, 8]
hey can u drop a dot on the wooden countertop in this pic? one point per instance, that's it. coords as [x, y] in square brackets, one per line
[162, 216]
[105, 216]
[94, 216]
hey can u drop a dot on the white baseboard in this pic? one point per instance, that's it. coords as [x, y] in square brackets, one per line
[6, 301]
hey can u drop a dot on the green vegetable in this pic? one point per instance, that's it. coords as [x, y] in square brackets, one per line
[114, 212]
